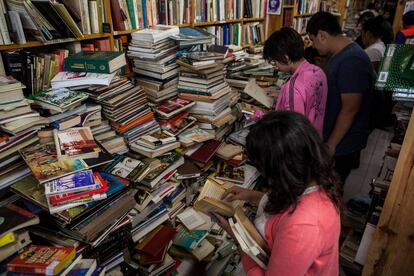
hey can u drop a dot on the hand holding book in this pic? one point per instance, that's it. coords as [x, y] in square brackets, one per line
[238, 193]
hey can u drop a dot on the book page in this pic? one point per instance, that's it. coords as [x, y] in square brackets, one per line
[212, 190]
[190, 218]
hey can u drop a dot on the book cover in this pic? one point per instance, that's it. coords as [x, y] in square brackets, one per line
[95, 62]
[75, 143]
[188, 239]
[172, 107]
[205, 152]
[126, 167]
[58, 99]
[79, 181]
[227, 172]
[13, 218]
[47, 260]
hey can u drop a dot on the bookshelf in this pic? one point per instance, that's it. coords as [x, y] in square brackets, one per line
[296, 16]
[113, 33]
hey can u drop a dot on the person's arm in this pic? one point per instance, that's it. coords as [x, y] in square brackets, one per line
[293, 252]
[351, 104]
[354, 79]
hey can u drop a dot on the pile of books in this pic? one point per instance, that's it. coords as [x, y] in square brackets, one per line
[202, 81]
[18, 126]
[153, 54]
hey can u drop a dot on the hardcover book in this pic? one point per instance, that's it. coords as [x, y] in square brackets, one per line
[75, 143]
[95, 62]
[58, 100]
[46, 260]
[15, 218]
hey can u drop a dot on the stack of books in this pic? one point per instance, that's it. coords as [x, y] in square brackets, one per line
[126, 108]
[202, 80]
[153, 54]
[18, 126]
[190, 37]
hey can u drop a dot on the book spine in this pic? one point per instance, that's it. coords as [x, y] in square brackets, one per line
[85, 17]
[117, 16]
[144, 13]
[101, 15]
[131, 12]
[93, 15]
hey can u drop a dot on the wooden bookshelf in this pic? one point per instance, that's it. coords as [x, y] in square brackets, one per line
[52, 42]
[116, 33]
[304, 15]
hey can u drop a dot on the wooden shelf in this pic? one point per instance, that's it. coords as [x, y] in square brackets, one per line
[184, 25]
[288, 6]
[304, 15]
[253, 19]
[51, 42]
[198, 24]
[125, 32]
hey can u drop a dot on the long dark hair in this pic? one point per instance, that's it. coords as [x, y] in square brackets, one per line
[289, 153]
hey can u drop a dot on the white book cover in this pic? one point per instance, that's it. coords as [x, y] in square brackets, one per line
[71, 79]
[93, 15]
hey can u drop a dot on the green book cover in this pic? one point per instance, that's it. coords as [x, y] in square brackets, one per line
[397, 71]
[61, 98]
[100, 15]
[95, 62]
[130, 4]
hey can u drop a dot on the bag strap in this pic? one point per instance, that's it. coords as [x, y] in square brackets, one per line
[292, 92]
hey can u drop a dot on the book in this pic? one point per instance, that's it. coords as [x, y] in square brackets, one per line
[152, 153]
[256, 92]
[47, 260]
[45, 166]
[75, 143]
[209, 200]
[189, 239]
[85, 267]
[59, 100]
[155, 33]
[71, 79]
[228, 151]
[205, 152]
[172, 107]
[229, 173]
[130, 168]
[21, 239]
[188, 170]
[95, 62]
[155, 140]
[155, 243]
[191, 219]
[194, 135]
[76, 182]
[15, 218]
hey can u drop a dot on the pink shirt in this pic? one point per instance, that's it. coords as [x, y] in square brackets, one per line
[305, 92]
[304, 242]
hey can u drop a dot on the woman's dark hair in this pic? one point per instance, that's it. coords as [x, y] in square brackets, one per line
[282, 43]
[289, 153]
[365, 16]
[323, 21]
[374, 26]
[408, 18]
[388, 32]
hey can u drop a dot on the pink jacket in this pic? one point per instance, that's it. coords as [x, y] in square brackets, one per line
[305, 92]
[304, 242]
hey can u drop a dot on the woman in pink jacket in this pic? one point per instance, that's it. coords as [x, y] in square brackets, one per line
[298, 215]
[306, 90]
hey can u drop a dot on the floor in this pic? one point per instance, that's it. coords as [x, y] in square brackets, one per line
[371, 160]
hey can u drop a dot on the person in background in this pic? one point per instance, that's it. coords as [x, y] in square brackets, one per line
[406, 34]
[313, 57]
[350, 84]
[387, 32]
[362, 18]
[298, 216]
[372, 32]
[306, 90]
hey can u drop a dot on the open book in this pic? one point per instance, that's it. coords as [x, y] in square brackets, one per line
[250, 240]
[210, 201]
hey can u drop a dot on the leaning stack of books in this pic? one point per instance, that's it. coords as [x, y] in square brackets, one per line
[18, 126]
[202, 80]
[153, 54]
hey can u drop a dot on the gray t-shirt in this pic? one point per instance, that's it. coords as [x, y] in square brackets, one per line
[349, 71]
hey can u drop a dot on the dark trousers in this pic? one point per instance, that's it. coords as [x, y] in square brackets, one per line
[345, 163]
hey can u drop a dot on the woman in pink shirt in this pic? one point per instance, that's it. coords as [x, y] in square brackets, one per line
[298, 215]
[306, 90]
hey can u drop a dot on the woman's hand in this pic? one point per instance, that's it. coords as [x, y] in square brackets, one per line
[238, 193]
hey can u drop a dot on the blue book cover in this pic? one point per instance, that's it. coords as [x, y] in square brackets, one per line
[144, 13]
[79, 181]
[189, 239]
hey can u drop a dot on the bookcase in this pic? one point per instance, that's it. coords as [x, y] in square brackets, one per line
[296, 13]
[234, 12]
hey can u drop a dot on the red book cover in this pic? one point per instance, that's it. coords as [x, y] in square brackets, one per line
[205, 152]
[66, 198]
[171, 107]
[49, 260]
[159, 241]
[139, 121]
[117, 16]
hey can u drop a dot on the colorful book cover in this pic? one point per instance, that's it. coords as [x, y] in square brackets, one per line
[170, 106]
[188, 239]
[76, 143]
[47, 260]
[79, 181]
[126, 167]
[44, 164]
[227, 172]
[61, 98]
